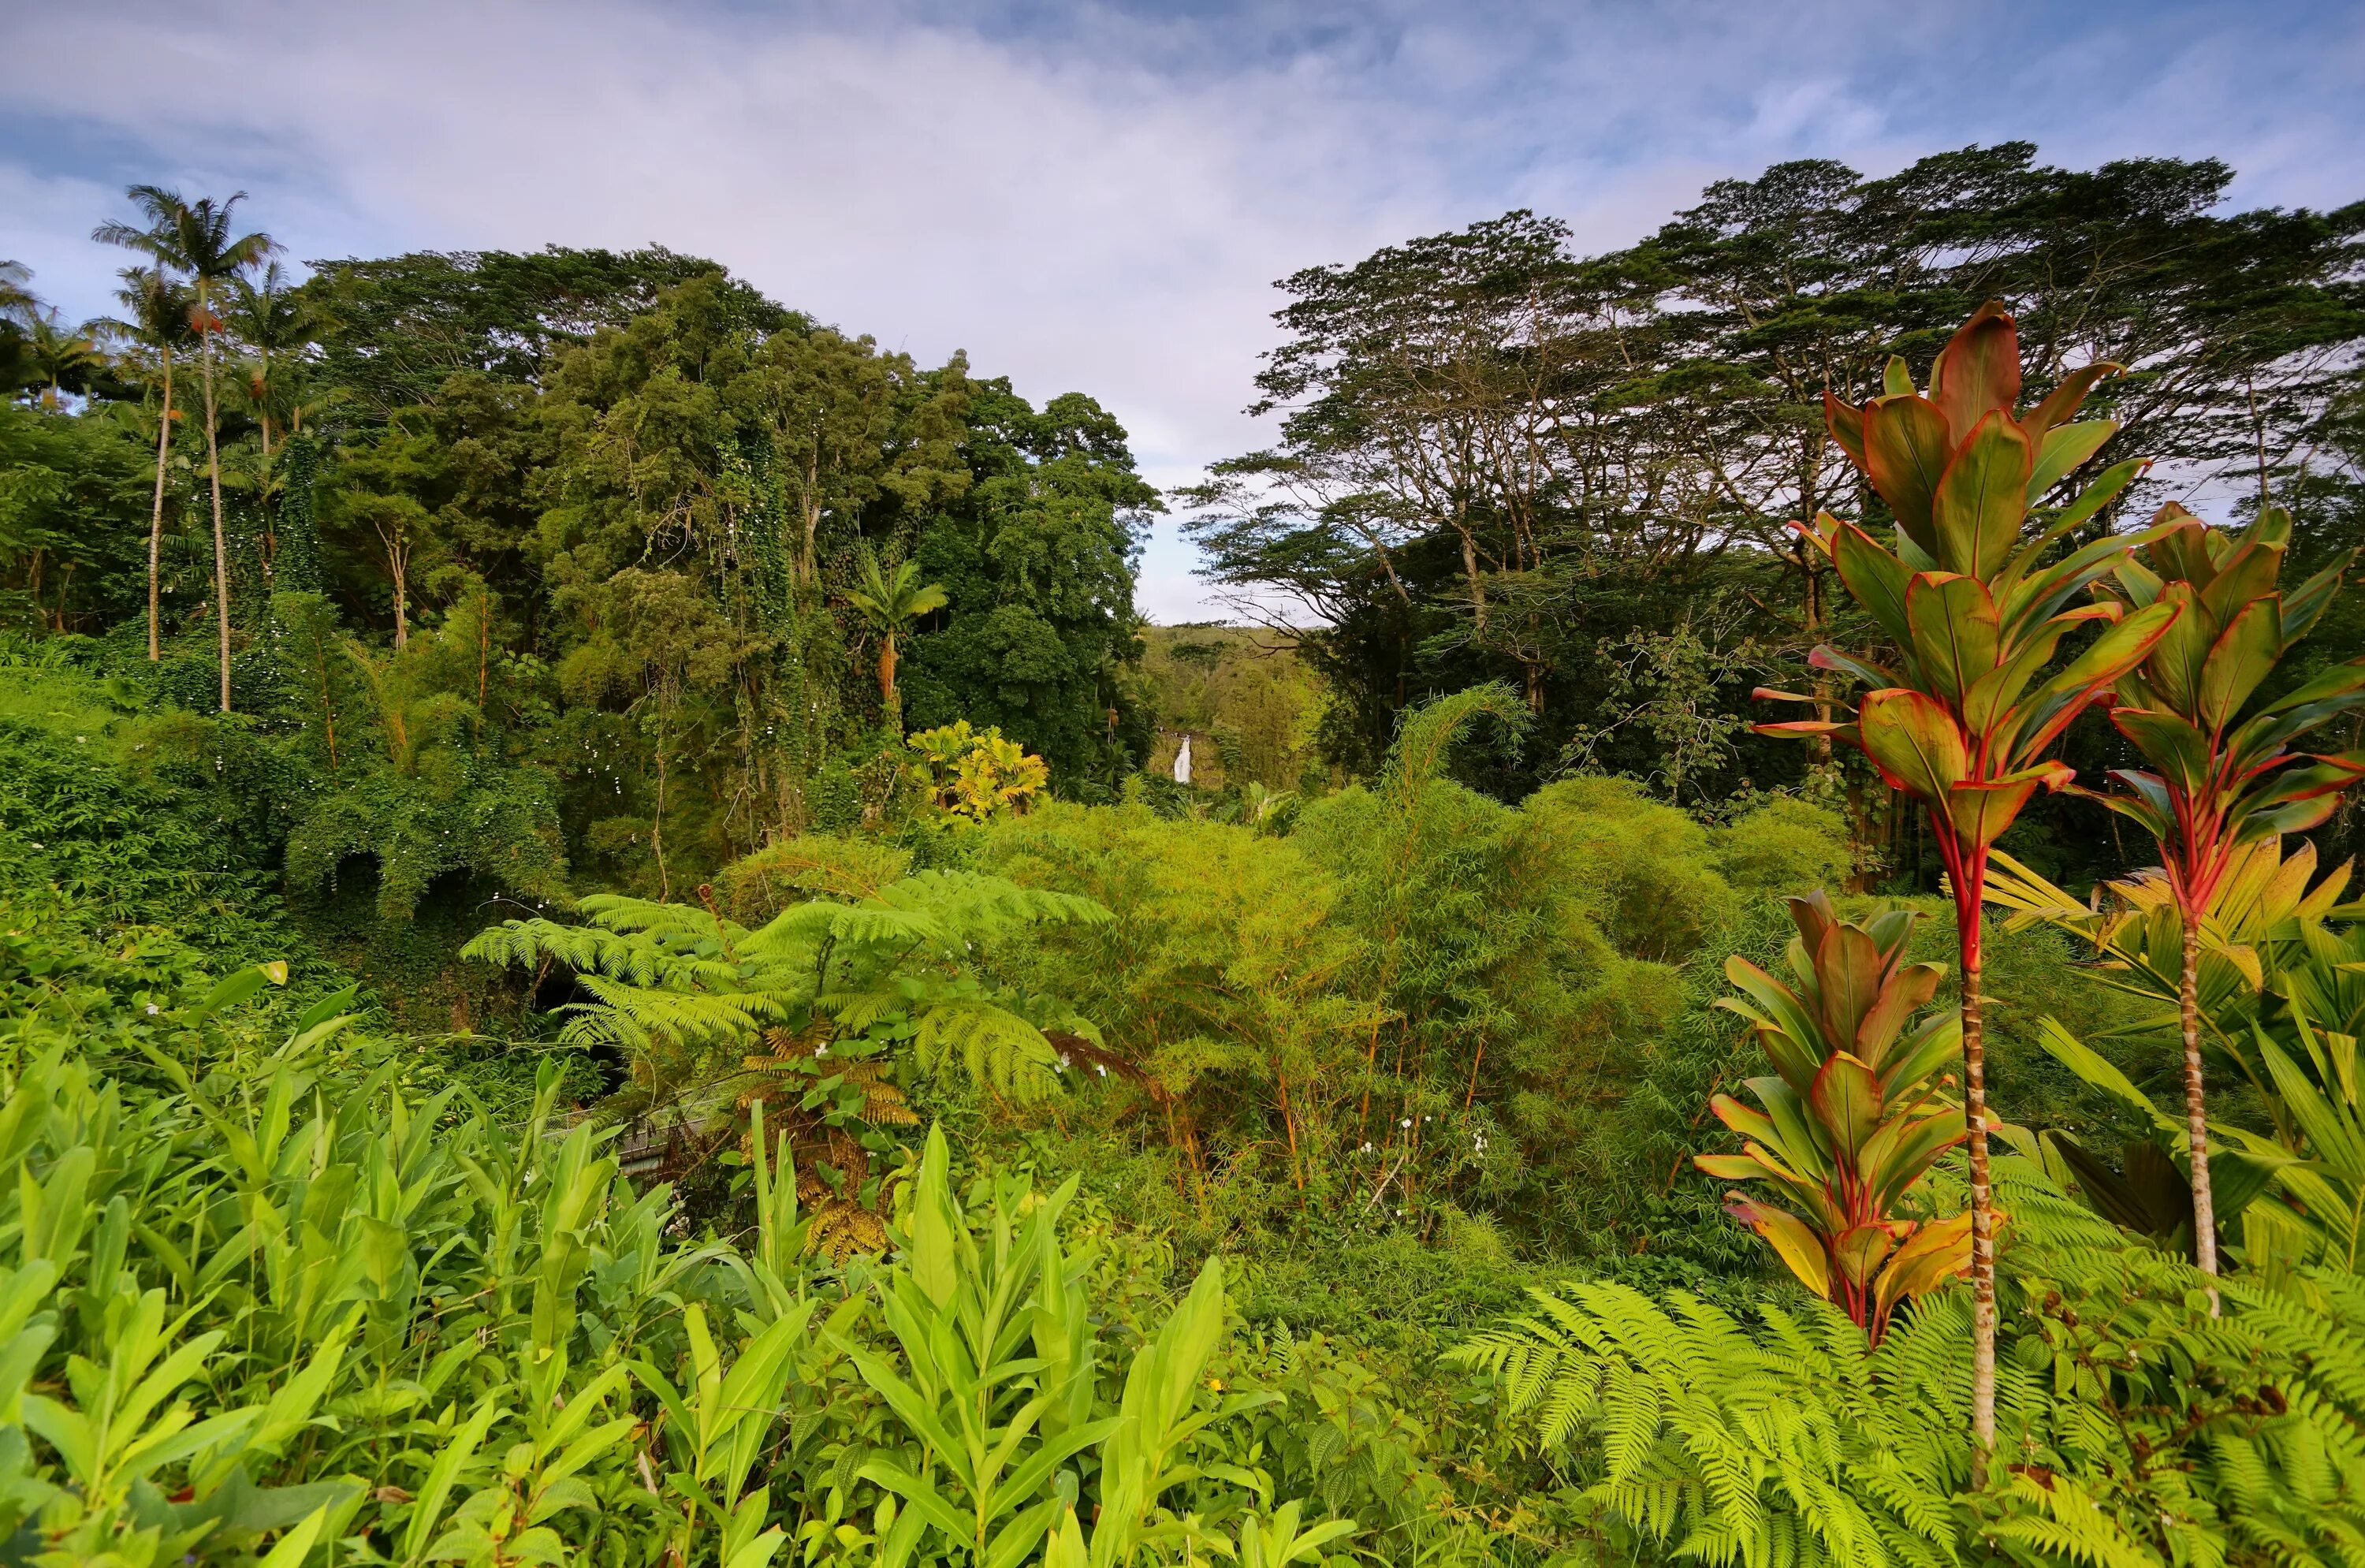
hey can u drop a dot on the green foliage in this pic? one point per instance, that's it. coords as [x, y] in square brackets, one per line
[972, 776]
[254, 1285]
[2138, 1429]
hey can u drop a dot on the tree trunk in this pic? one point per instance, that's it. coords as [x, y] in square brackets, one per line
[657, 822]
[1969, 869]
[397, 569]
[2196, 1118]
[156, 519]
[213, 473]
[888, 698]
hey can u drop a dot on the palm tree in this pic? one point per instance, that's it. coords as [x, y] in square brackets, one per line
[158, 308]
[60, 353]
[17, 302]
[195, 237]
[889, 602]
[16, 299]
[272, 320]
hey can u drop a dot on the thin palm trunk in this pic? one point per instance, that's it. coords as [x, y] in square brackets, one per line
[156, 519]
[213, 473]
[889, 697]
[2196, 1114]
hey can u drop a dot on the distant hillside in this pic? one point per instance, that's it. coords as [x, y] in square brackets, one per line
[1253, 706]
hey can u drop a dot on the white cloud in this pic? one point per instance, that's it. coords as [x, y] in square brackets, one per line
[1098, 206]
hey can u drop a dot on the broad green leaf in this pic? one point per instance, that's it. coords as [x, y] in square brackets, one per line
[2061, 406]
[1848, 971]
[1875, 578]
[1847, 1098]
[1981, 499]
[1979, 812]
[1846, 424]
[2171, 744]
[2244, 655]
[2062, 449]
[1954, 628]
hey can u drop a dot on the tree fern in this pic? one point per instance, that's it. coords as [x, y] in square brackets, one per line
[685, 992]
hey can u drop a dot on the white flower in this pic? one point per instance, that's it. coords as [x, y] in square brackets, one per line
[1101, 1068]
[153, 1010]
[1405, 1123]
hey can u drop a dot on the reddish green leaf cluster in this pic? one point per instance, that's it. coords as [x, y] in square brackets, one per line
[2219, 781]
[1853, 1117]
[1975, 613]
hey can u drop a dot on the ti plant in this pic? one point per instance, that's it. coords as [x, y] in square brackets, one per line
[1977, 615]
[2215, 781]
[1852, 1119]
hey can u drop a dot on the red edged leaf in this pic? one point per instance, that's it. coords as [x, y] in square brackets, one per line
[1795, 1244]
[1938, 1251]
[2181, 551]
[1905, 454]
[2059, 701]
[2244, 654]
[2060, 405]
[1848, 972]
[1979, 812]
[1875, 578]
[1913, 740]
[1847, 1098]
[1846, 422]
[1908, 989]
[1977, 372]
[2171, 743]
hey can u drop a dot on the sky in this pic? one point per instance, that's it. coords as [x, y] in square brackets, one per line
[1094, 197]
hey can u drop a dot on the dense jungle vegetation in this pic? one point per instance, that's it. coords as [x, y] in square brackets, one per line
[602, 957]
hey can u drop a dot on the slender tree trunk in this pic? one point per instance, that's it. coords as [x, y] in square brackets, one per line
[1969, 872]
[889, 699]
[656, 823]
[156, 518]
[2196, 1117]
[213, 473]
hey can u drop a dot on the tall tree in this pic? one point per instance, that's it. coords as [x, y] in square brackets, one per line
[158, 317]
[15, 298]
[197, 239]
